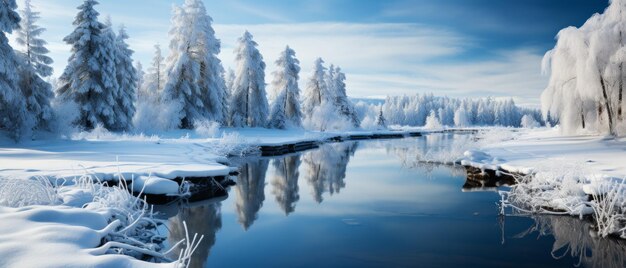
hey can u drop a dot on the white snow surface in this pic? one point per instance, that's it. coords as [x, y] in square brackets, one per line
[529, 150]
[56, 236]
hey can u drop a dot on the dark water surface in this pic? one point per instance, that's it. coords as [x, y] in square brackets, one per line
[374, 204]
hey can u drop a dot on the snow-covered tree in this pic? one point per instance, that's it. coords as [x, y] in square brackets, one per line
[380, 120]
[195, 81]
[154, 80]
[36, 65]
[412, 111]
[126, 78]
[316, 90]
[529, 122]
[248, 104]
[285, 110]
[586, 73]
[337, 86]
[432, 122]
[13, 114]
[89, 78]
[460, 117]
[140, 76]
[33, 46]
[230, 80]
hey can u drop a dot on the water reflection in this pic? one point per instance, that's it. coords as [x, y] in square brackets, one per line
[575, 238]
[285, 182]
[434, 148]
[204, 218]
[386, 204]
[250, 190]
[325, 168]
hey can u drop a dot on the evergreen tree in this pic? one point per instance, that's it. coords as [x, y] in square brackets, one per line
[249, 105]
[195, 74]
[285, 110]
[35, 65]
[230, 80]
[13, 114]
[341, 101]
[316, 90]
[154, 79]
[126, 78]
[140, 77]
[89, 78]
[34, 47]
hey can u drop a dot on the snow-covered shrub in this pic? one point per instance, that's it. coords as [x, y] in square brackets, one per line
[529, 122]
[206, 128]
[609, 207]
[432, 122]
[156, 116]
[20, 192]
[563, 189]
[324, 118]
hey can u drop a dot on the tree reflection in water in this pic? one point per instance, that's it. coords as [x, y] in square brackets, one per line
[285, 182]
[205, 219]
[250, 191]
[434, 148]
[325, 168]
[574, 237]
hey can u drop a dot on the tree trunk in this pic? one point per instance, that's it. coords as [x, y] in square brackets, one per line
[607, 106]
[621, 89]
[582, 118]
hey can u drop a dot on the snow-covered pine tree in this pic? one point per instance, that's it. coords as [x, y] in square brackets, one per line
[211, 70]
[341, 101]
[33, 46]
[36, 65]
[285, 111]
[195, 74]
[89, 77]
[154, 80]
[140, 77]
[126, 80]
[230, 80]
[248, 104]
[13, 114]
[316, 90]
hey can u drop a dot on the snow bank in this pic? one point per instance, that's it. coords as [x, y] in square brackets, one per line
[575, 175]
[81, 224]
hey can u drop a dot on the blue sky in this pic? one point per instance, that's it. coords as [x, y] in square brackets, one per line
[458, 48]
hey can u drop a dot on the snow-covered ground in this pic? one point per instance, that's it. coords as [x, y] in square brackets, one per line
[528, 149]
[561, 173]
[180, 153]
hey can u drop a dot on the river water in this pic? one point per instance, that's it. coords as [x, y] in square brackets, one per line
[377, 204]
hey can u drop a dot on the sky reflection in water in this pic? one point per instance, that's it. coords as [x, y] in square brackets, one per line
[375, 204]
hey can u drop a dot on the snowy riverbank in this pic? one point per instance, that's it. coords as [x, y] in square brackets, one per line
[150, 160]
[571, 175]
